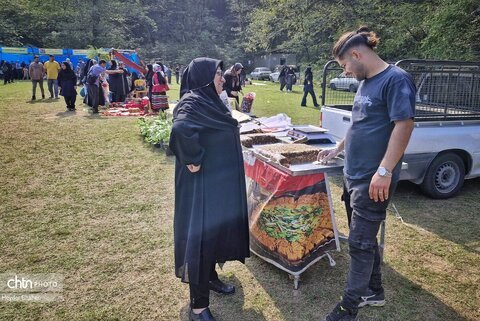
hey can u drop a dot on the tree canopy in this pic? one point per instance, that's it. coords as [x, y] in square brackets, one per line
[177, 31]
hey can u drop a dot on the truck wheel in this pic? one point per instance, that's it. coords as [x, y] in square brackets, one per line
[444, 176]
[333, 87]
[352, 88]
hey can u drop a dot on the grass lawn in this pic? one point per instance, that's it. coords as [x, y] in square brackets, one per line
[85, 197]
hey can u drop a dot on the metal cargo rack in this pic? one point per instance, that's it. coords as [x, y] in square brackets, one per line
[446, 90]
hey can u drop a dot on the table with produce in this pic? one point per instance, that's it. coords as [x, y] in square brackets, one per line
[291, 218]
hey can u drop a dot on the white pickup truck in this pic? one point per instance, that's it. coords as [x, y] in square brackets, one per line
[445, 145]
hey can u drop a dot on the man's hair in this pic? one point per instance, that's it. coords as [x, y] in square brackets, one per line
[361, 37]
[102, 62]
[51, 56]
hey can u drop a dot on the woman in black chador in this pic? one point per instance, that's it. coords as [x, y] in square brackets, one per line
[67, 81]
[211, 220]
[308, 88]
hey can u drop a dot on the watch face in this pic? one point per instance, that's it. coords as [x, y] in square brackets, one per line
[382, 171]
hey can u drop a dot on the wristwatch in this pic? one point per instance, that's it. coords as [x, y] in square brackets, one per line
[383, 172]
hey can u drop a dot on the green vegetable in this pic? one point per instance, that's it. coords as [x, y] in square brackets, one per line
[290, 224]
[156, 130]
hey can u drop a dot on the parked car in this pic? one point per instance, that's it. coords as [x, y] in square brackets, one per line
[344, 82]
[261, 73]
[274, 75]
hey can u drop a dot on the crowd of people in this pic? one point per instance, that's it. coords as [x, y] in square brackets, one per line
[11, 71]
[102, 82]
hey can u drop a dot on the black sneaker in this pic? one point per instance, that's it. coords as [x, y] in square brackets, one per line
[43, 96]
[374, 299]
[33, 97]
[340, 313]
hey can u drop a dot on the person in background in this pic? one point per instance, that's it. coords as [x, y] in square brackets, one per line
[308, 88]
[159, 87]
[80, 70]
[67, 81]
[36, 72]
[168, 73]
[117, 86]
[52, 68]
[18, 70]
[88, 64]
[177, 73]
[25, 72]
[148, 81]
[131, 88]
[93, 83]
[69, 62]
[232, 81]
[7, 72]
[282, 77]
[243, 77]
[125, 76]
[182, 70]
[290, 76]
[382, 122]
[211, 216]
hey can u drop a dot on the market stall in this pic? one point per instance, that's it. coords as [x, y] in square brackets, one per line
[292, 224]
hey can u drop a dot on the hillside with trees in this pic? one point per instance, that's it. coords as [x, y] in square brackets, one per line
[177, 31]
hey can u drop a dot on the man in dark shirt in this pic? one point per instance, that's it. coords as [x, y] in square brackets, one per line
[382, 122]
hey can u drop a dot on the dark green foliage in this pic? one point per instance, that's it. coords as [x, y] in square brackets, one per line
[233, 30]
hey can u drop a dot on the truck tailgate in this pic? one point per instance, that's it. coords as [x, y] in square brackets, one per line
[336, 120]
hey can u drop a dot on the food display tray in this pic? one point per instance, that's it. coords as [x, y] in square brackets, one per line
[334, 167]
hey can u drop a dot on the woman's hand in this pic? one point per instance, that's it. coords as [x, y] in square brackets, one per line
[192, 168]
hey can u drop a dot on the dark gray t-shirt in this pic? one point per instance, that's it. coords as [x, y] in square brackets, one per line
[387, 97]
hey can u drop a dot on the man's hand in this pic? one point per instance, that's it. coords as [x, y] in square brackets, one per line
[326, 155]
[234, 93]
[379, 188]
[192, 168]
[119, 71]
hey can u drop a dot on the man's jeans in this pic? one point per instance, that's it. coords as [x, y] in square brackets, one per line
[53, 87]
[34, 87]
[366, 217]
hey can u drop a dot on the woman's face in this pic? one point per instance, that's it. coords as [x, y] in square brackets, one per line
[64, 67]
[218, 81]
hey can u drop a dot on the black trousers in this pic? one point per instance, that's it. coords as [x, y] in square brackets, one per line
[308, 89]
[70, 101]
[93, 96]
[200, 293]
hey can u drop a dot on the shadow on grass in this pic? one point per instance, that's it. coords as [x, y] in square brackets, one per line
[37, 101]
[228, 307]
[454, 219]
[64, 114]
[321, 287]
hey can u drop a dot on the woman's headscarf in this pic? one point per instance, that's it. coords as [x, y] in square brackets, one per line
[199, 101]
[113, 65]
[68, 68]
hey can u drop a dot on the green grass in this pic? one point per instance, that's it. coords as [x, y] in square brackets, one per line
[84, 196]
